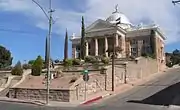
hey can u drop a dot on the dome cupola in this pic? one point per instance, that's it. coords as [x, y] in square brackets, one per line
[116, 15]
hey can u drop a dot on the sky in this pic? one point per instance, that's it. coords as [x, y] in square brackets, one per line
[23, 25]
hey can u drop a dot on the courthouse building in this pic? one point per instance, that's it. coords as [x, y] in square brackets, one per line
[133, 40]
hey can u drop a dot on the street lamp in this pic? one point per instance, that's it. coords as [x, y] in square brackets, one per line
[175, 2]
[50, 19]
[118, 21]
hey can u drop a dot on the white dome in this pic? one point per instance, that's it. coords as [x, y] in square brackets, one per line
[115, 15]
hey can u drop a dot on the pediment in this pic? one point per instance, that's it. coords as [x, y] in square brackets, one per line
[98, 24]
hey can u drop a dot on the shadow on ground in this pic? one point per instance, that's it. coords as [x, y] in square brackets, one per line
[164, 97]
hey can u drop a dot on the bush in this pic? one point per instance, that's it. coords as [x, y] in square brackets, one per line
[76, 62]
[105, 60]
[146, 55]
[169, 65]
[68, 62]
[90, 59]
[37, 66]
[17, 70]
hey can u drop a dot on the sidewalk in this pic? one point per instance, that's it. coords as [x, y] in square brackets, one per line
[41, 103]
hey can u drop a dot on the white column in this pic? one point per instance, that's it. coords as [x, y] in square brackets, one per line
[117, 41]
[87, 49]
[106, 46]
[96, 47]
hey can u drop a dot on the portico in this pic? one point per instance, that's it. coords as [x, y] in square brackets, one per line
[98, 45]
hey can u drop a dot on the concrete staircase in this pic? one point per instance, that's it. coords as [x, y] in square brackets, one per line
[13, 79]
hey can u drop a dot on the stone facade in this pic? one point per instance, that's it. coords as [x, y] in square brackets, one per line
[39, 94]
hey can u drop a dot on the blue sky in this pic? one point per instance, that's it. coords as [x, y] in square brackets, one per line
[23, 26]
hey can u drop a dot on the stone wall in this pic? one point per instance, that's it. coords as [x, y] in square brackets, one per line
[102, 82]
[96, 83]
[135, 70]
[39, 94]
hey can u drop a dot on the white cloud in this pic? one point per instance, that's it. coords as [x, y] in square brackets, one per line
[161, 12]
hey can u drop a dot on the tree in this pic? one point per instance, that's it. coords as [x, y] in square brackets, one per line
[5, 57]
[17, 70]
[37, 66]
[82, 51]
[66, 46]
[176, 52]
[30, 62]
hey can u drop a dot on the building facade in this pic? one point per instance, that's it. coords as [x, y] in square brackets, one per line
[133, 40]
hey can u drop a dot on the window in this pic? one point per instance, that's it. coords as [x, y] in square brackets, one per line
[89, 46]
[133, 49]
[144, 41]
[78, 51]
[133, 41]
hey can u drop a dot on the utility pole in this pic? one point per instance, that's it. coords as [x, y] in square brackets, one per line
[50, 19]
[113, 58]
[175, 2]
[118, 21]
[49, 51]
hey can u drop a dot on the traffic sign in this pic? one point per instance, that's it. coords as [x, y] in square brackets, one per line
[85, 71]
[86, 77]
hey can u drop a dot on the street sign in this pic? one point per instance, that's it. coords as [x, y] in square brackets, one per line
[85, 71]
[86, 77]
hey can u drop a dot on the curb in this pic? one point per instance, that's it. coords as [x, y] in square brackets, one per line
[94, 99]
[23, 101]
[174, 107]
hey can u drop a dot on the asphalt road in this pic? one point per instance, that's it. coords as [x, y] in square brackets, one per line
[156, 94]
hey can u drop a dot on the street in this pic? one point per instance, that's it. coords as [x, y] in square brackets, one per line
[156, 94]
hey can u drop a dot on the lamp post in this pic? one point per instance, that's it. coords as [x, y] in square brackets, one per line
[113, 56]
[50, 19]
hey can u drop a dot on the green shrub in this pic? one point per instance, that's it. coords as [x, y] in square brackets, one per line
[91, 59]
[76, 62]
[68, 62]
[17, 70]
[105, 60]
[169, 65]
[37, 66]
[146, 55]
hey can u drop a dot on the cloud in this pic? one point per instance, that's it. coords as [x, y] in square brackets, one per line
[162, 12]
